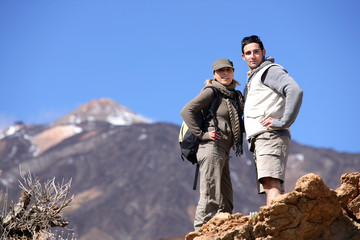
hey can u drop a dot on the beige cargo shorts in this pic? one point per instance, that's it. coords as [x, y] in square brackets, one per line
[270, 157]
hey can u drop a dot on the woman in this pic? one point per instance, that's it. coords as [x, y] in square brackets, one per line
[216, 193]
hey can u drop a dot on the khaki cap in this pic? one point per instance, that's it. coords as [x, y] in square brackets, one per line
[221, 63]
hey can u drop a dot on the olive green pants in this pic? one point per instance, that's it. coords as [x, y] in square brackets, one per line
[216, 194]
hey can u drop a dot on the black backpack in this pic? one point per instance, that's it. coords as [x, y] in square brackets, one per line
[189, 143]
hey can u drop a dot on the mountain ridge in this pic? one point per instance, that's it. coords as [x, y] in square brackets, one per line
[129, 181]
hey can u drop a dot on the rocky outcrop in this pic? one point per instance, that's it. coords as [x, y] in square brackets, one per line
[311, 211]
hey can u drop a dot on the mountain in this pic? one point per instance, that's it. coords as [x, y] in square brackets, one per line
[127, 175]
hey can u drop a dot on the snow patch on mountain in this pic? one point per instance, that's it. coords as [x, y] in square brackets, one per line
[121, 118]
[295, 160]
[11, 130]
[143, 136]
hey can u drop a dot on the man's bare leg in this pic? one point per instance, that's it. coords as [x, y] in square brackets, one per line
[272, 188]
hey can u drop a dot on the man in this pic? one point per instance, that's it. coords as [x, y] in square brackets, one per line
[272, 103]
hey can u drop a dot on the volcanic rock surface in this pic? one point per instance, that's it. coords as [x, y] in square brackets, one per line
[311, 211]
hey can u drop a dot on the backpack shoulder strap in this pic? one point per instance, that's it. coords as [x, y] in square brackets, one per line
[211, 112]
[215, 100]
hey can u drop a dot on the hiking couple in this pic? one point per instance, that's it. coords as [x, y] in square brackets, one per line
[270, 105]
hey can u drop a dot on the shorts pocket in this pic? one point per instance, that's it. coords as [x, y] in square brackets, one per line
[268, 144]
[275, 151]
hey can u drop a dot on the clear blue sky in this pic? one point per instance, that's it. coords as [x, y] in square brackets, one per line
[154, 56]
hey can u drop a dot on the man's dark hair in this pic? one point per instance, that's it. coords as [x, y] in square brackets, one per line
[251, 39]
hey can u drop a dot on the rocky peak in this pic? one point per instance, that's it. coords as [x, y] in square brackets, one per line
[103, 109]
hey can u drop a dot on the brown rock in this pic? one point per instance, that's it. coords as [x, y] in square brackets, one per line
[354, 207]
[311, 211]
[223, 226]
[348, 194]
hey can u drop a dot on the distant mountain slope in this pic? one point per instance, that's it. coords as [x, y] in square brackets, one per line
[129, 180]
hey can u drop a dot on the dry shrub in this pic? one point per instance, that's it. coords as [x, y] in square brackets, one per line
[37, 210]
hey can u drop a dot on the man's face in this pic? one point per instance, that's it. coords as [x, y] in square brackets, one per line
[253, 55]
[224, 75]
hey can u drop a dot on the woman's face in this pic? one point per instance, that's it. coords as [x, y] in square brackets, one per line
[224, 75]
